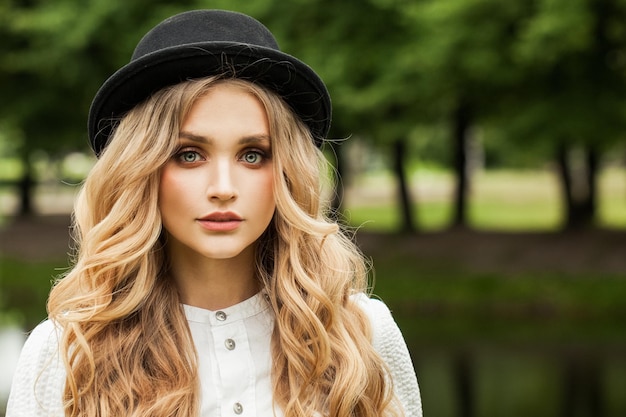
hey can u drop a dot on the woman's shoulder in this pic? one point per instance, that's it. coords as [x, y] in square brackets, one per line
[39, 375]
[45, 331]
[388, 341]
[379, 315]
[42, 344]
[371, 304]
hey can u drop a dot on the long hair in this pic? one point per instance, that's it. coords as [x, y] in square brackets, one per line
[125, 342]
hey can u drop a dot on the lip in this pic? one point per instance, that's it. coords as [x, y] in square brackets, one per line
[220, 221]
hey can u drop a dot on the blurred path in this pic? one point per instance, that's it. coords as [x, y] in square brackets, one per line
[593, 252]
[35, 238]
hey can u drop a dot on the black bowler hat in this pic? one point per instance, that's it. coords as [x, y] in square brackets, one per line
[201, 43]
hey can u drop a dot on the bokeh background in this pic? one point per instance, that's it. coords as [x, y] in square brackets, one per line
[480, 154]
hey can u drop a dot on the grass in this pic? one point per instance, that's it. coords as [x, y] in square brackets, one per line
[448, 305]
[499, 200]
[24, 290]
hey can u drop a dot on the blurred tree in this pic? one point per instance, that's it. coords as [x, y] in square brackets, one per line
[573, 57]
[362, 49]
[547, 73]
[59, 54]
[53, 57]
[551, 72]
[465, 60]
[395, 65]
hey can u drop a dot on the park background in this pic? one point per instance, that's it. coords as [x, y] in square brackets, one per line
[480, 152]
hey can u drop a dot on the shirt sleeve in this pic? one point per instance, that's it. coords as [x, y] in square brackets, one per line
[391, 346]
[39, 378]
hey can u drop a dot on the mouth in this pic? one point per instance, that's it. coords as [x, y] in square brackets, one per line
[220, 221]
[222, 217]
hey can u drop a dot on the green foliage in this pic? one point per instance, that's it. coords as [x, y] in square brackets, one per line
[464, 48]
[362, 51]
[556, 28]
[55, 58]
[444, 302]
[24, 289]
[573, 81]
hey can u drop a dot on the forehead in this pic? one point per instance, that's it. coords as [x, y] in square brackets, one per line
[226, 111]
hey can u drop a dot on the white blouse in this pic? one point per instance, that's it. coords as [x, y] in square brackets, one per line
[234, 360]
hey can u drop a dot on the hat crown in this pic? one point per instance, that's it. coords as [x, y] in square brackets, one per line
[202, 43]
[200, 26]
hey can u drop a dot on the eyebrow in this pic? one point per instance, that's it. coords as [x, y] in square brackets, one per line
[246, 140]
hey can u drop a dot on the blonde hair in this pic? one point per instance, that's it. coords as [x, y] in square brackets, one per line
[126, 344]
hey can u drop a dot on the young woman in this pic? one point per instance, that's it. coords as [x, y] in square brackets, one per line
[208, 281]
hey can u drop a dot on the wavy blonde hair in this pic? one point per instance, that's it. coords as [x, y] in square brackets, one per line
[126, 344]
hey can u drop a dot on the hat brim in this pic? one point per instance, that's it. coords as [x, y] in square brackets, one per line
[291, 78]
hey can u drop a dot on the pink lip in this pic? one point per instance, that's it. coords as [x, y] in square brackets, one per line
[220, 221]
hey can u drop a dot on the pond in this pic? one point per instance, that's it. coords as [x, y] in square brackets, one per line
[514, 381]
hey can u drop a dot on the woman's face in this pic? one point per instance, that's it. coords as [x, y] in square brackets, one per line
[216, 194]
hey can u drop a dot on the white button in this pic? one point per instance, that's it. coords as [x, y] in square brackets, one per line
[220, 315]
[230, 344]
[238, 408]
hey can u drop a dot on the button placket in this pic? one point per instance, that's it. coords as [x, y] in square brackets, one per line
[241, 375]
[235, 365]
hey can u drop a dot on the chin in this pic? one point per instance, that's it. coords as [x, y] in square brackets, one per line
[223, 253]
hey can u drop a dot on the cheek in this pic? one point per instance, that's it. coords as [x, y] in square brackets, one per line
[166, 186]
[263, 191]
[171, 190]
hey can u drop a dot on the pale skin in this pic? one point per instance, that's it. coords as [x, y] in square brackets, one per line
[216, 198]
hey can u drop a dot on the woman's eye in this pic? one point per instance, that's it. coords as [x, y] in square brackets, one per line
[188, 156]
[252, 157]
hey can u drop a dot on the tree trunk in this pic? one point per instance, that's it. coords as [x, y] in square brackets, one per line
[590, 201]
[565, 180]
[25, 189]
[464, 384]
[461, 124]
[579, 188]
[406, 205]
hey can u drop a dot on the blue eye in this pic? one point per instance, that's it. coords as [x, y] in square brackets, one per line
[188, 156]
[252, 157]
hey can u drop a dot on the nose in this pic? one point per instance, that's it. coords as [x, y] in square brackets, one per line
[221, 182]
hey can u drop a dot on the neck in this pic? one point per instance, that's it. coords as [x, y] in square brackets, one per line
[215, 284]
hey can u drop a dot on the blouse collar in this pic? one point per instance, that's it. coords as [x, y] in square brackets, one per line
[245, 309]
